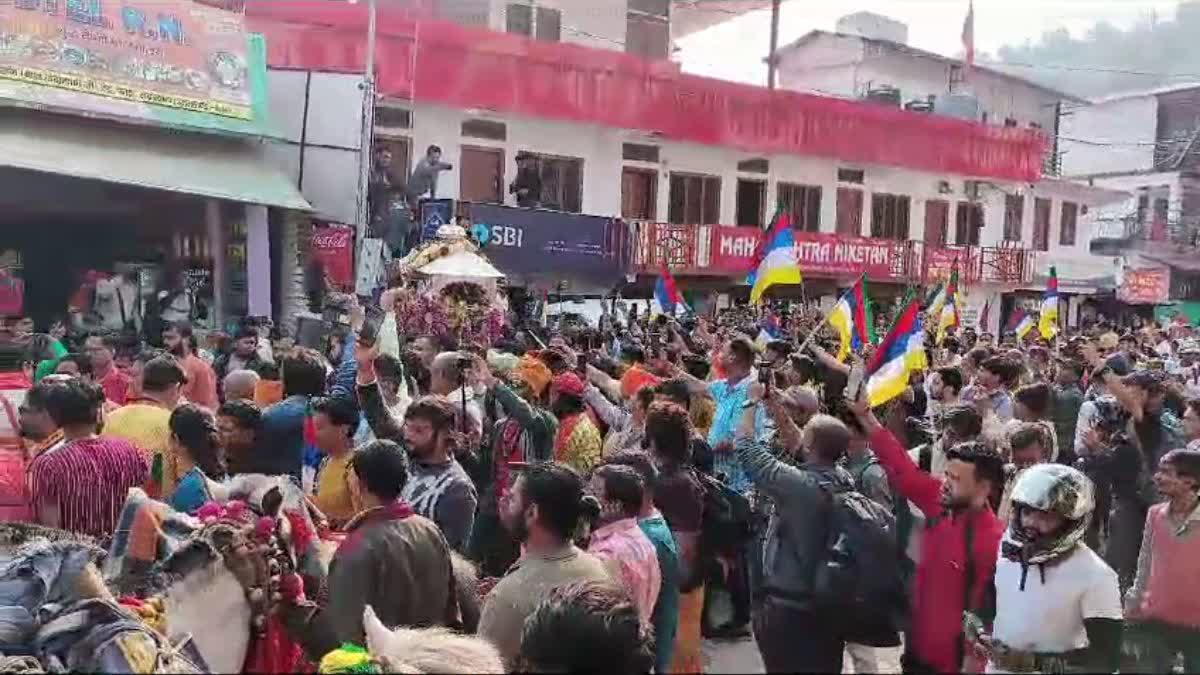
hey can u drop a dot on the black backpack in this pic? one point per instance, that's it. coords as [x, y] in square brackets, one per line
[858, 577]
[728, 521]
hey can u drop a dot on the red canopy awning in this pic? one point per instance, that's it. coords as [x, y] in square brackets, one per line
[465, 67]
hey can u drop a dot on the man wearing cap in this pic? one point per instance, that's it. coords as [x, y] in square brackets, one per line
[527, 187]
[577, 442]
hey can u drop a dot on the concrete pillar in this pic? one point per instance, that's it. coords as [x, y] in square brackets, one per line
[258, 261]
[216, 244]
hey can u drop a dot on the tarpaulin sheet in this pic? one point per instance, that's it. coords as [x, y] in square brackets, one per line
[464, 67]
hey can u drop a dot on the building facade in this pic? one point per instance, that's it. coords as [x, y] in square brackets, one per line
[1144, 143]
[697, 166]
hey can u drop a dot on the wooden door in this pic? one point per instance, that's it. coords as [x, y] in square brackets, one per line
[481, 175]
[639, 195]
[937, 222]
[849, 212]
[1041, 224]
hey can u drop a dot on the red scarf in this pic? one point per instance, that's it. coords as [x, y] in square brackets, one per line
[566, 427]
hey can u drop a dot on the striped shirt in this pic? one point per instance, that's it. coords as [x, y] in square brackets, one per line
[86, 482]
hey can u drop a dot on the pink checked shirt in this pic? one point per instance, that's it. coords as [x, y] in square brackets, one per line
[624, 549]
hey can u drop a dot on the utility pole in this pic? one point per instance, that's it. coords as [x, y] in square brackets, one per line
[771, 66]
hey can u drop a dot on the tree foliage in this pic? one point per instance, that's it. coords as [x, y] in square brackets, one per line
[1107, 59]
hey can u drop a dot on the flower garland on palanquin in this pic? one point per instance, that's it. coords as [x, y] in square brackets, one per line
[461, 311]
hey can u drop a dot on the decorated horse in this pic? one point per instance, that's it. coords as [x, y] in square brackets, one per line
[174, 593]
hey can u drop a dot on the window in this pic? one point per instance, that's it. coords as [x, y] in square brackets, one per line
[562, 183]
[849, 212]
[1067, 222]
[519, 19]
[1041, 224]
[751, 194]
[937, 222]
[549, 24]
[889, 216]
[850, 176]
[656, 8]
[1014, 210]
[1158, 229]
[544, 24]
[756, 165]
[639, 193]
[968, 221]
[1010, 122]
[803, 204]
[492, 131]
[694, 199]
[647, 28]
[647, 37]
[636, 152]
[391, 117]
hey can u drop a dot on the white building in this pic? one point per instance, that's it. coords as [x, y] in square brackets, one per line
[867, 57]
[680, 161]
[1144, 143]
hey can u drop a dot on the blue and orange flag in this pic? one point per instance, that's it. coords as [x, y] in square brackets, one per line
[667, 293]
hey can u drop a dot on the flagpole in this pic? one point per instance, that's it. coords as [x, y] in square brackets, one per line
[825, 319]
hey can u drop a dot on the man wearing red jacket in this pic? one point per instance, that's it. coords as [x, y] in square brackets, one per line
[959, 545]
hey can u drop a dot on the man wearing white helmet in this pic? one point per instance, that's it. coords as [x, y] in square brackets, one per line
[1058, 605]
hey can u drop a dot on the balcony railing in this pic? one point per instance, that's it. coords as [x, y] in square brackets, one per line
[714, 250]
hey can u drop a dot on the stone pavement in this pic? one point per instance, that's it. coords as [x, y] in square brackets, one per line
[741, 656]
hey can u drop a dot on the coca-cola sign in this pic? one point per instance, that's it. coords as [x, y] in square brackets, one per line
[332, 247]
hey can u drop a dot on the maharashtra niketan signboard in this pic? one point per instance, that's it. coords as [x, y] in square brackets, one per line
[127, 57]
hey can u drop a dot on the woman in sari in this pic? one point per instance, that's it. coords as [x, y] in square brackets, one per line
[577, 443]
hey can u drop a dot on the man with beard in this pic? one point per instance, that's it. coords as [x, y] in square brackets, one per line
[958, 547]
[542, 512]
[944, 387]
[244, 355]
[1058, 608]
[201, 387]
[439, 488]
[619, 542]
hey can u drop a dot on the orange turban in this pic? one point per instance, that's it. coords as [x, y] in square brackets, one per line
[533, 373]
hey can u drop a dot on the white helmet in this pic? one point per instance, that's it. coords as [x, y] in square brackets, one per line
[1057, 489]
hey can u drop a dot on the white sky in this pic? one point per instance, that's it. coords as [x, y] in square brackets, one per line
[735, 49]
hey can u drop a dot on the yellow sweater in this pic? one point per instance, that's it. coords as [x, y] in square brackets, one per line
[333, 490]
[146, 425]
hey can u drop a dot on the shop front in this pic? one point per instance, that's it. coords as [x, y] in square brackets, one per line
[128, 202]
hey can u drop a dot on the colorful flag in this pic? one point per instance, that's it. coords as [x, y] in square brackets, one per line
[782, 221]
[1048, 323]
[778, 266]
[667, 293]
[983, 316]
[852, 319]
[934, 303]
[1026, 324]
[901, 352]
[968, 35]
[948, 317]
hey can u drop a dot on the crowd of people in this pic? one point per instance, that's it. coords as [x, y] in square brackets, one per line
[1023, 507]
